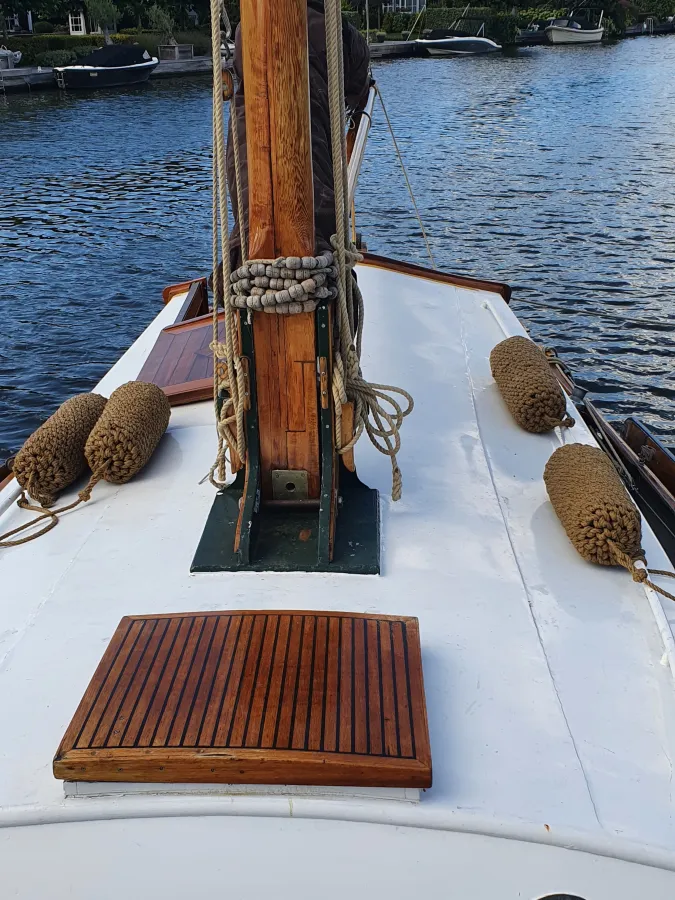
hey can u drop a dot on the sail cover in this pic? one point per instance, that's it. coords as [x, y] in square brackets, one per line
[115, 56]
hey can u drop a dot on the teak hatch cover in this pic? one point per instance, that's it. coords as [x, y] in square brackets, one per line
[255, 698]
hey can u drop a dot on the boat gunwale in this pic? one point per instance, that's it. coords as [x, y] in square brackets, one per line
[396, 813]
[144, 65]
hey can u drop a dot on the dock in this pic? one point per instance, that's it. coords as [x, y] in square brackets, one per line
[394, 50]
[27, 78]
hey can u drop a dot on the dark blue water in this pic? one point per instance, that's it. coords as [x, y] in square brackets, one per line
[553, 170]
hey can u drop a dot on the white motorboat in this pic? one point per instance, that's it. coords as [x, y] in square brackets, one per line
[458, 46]
[569, 31]
[9, 58]
[262, 724]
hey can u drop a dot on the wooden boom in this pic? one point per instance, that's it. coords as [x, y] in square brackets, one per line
[281, 223]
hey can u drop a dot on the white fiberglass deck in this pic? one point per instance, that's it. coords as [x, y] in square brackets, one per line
[551, 705]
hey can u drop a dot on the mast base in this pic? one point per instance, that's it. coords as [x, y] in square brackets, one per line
[289, 539]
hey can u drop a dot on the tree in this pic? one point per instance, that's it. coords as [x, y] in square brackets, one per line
[136, 8]
[103, 13]
[161, 21]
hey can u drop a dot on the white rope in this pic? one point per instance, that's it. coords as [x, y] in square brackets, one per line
[228, 375]
[376, 411]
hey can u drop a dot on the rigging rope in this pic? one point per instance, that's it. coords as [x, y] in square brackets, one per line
[405, 175]
[376, 410]
[228, 378]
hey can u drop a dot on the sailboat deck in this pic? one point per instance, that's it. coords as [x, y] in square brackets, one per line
[549, 706]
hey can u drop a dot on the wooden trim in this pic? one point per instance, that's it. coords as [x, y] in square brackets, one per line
[248, 767]
[6, 480]
[189, 392]
[172, 289]
[196, 303]
[191, 323]
[466, 281]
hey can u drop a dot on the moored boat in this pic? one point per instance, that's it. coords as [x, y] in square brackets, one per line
[264, 711]
[9, 58]
[112, 66]
[569, 31]
[457, 46]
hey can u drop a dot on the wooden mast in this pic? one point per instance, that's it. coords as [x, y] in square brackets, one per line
[281, 223]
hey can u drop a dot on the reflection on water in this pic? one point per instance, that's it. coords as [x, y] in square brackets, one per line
[553, 169]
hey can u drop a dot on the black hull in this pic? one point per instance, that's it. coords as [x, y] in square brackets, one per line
[89, 79]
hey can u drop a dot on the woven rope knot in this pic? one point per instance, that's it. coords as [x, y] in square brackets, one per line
[287, 285]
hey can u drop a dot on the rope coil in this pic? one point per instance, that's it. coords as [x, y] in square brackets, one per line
[286, 285]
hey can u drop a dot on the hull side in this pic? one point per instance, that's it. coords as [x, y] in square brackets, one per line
[559, 35]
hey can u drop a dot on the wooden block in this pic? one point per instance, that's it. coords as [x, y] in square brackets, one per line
[317, 698]
[347, 435]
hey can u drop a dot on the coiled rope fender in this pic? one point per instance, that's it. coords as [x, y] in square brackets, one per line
[52, 458]
[121, 442]
[598, 515]
[528, 386]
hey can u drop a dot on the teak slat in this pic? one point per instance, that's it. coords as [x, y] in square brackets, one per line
[181, 362]
[254, 697]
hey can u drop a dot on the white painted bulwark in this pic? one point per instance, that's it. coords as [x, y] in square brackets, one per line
[551, 715]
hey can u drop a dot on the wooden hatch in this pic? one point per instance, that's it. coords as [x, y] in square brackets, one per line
[307, 698]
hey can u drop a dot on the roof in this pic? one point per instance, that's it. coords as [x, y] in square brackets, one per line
[550, 711]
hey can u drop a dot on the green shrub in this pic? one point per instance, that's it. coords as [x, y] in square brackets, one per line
[56, 58]
[444, 18]
[85, 50]
[151, 40]
[33, 46]
[354, 18]
[397, 23]
[43, 28]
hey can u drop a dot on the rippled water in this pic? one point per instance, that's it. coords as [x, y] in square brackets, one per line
[553, 169]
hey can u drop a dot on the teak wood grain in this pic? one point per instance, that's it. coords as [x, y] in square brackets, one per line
[181, 362]
[281, 222]
[254, 697]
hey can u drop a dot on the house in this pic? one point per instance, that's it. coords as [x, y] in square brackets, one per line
[77, 24]
[407, 6]
[19, 22]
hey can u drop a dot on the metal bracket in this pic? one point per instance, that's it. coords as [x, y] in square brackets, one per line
[290, 484]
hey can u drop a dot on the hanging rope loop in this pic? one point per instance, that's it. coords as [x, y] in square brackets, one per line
[377, 412]
[228, 375]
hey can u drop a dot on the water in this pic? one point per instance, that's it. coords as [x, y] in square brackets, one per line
[553, 170]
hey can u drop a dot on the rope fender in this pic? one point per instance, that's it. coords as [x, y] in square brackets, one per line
[598, 515]
[528, 386]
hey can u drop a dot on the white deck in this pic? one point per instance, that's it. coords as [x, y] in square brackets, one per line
[551, 711]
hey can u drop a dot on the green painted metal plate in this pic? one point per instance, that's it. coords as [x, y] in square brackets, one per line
[287, 539]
